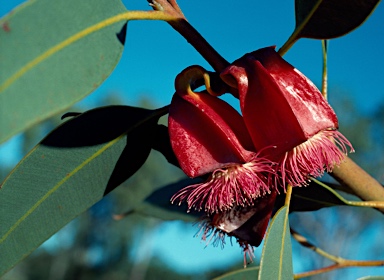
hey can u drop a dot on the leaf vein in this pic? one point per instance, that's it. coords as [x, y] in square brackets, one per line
[57, 186]
[130, 15]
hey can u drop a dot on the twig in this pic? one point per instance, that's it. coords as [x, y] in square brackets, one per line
[324, 84]
[288, 195]
[347, 263]
[339, 262]
[182, 26]
[372, 204]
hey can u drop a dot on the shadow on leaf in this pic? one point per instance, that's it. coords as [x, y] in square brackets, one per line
[312, 197]
[97, 126]
[105, 124]
[133, 156]
[161, 197]
[122, 34]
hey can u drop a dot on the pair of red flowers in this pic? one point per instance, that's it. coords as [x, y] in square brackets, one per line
[286, 133]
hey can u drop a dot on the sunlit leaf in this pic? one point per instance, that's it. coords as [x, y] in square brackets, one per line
[53, 54]
[249, 273]
[371, 278]
[69, 171]
[276, 258]
[326, 19]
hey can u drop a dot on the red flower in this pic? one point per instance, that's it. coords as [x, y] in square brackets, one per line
[208, 136]
[287, 130]
[288, 119]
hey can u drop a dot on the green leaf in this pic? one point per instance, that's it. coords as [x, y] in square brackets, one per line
[249, 273]
[53, 54]
[319, 195]
[158, 203]
[276, 258]
[371, 278]
[68, 172]
[313, 197]
[326, 19]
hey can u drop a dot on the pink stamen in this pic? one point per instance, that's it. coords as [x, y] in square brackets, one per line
[248, 251]
[211, 234]
[237, 185]
[320, 153]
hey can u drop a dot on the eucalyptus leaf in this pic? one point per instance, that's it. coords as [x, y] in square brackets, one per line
[312, 197]
[68, 172]
[249, 273]
[53, 54]
[276, 257]
[158, 203]
[327, 19]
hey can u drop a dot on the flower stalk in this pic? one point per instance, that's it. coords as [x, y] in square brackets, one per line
[324, 84]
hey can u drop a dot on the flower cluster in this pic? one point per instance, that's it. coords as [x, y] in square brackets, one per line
[286, 133]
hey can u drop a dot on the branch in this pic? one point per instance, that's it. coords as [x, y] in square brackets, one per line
[353, 177]
[372, 204]
[348, 263]
[182, 26]
[339, 262]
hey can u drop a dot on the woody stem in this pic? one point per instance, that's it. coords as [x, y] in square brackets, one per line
[339, 262]
[353, 177]
[182, 26]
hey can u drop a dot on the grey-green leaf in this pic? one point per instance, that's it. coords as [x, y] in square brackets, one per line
[276, 258]
[68, 172]
[249, 273]
[52, 55]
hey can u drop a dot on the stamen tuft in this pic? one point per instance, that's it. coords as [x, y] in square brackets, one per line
[318, 154]
[236, 185]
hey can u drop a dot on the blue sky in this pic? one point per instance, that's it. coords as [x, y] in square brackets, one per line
[154, 54]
